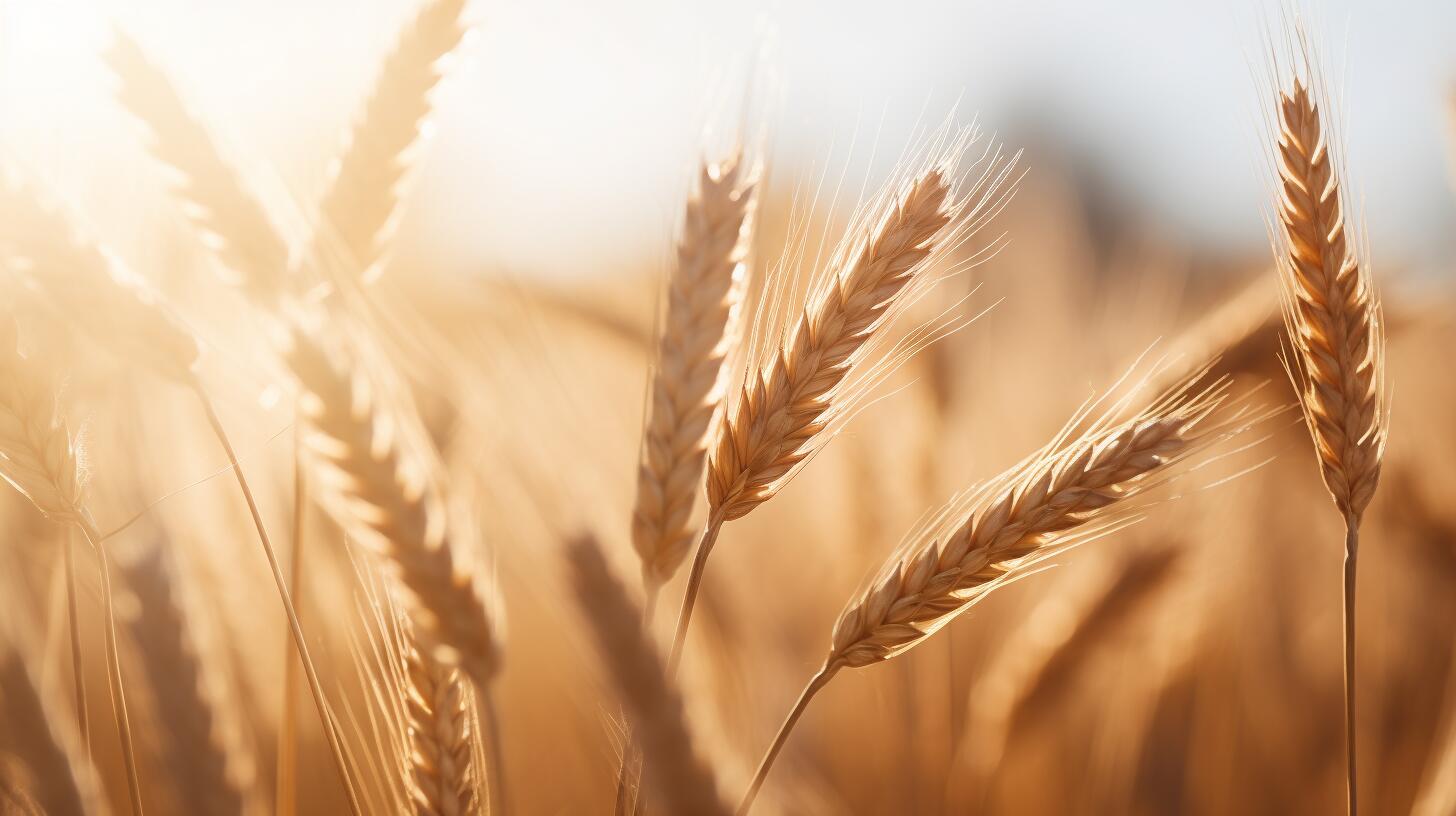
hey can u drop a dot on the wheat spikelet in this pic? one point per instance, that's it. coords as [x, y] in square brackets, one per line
[704, 294]
[675, 773]
[210, 771]
[232, 222]
[441, 729]
[36, 453]
[90, 286]
[1331, 310]
[361, 203]
[376, 489]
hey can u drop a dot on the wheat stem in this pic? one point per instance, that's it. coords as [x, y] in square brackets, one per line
[819, 681]
[83, 719]
[1352, 547]
[495, 782]
[113, 665]
[287, 799]
[695, 582]
[295, 627]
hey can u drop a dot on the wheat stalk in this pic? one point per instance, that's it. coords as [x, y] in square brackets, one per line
[682, 782]
[384, 494]
[704, 293]
[232, 222]
[788, 408]
[360, 207]
[1332, 315]
[1053, 499]
[441, 729]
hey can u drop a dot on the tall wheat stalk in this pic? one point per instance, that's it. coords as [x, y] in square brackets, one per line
[1332, 315]
[790, 406]
[1065, 493]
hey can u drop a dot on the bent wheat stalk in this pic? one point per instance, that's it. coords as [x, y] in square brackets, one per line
[789, 407]
[1057, 497]
[1332, 315]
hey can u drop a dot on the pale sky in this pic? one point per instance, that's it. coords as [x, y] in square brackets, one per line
[569, 133]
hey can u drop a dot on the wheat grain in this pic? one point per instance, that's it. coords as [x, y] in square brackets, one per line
[36, 453]
[704, 293]
[675, 773]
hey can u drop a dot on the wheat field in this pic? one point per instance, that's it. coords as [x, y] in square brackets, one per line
[931, 490]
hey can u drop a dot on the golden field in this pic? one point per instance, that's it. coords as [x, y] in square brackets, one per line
[1048, 508]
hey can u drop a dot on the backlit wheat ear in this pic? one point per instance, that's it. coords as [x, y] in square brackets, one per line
[232, 222]
[441, 728]
[1331, 309]
[1055, 498]
[361, 204]
[700, 329]
[378, 491]
[36, 453]
[679, 779]
[90, 285]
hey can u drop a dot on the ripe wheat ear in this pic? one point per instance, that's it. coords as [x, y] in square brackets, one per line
[1332, 316]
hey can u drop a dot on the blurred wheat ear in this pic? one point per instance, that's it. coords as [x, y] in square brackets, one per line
[1332, 315]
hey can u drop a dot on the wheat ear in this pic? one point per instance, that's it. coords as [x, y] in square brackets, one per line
[37, 457]
[441, 729]
[1332, 315]
[55, 774]
[788, 408]
[382, 492]
[979, 542]
[676, 774]
[211, 773]
[704, 293]
[360, 207]
[232, 222]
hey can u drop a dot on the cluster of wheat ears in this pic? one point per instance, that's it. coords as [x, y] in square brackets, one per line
[755, 372]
